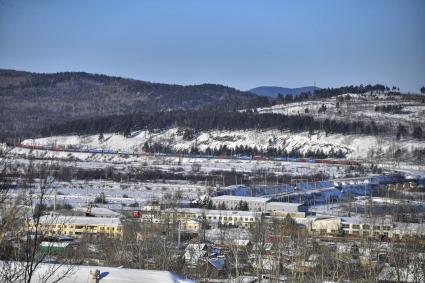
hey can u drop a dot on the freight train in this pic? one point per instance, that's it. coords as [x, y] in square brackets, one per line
[186, 155]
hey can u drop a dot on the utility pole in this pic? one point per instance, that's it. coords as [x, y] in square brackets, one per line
[179, 235]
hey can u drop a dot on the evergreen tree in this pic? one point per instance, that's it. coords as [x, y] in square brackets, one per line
[417, 133]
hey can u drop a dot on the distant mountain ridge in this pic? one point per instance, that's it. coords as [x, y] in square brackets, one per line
[273, 91]
[31, 101]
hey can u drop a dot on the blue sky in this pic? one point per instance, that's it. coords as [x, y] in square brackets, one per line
[243, 44]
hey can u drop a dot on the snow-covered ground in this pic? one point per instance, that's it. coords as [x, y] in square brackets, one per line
[360, 107]
[79, 193]
[354, 146]
[172, 164]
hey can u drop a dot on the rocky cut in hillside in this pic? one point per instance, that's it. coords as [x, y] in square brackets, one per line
[31, 101]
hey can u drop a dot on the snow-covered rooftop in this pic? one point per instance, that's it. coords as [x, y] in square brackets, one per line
[218, 212]
[238, 198]
[81, 273]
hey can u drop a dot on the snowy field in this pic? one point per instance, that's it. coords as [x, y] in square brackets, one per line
[79, 192]
[360, 107]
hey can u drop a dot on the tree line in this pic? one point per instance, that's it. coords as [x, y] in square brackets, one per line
[221, 120]
[208, 120]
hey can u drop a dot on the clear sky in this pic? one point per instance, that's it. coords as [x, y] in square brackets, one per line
[243, 44]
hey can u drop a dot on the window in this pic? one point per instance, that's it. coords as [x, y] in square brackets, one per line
[345, 226]
[387, 228]
[366, 226]
[355, 226]
[376, 227]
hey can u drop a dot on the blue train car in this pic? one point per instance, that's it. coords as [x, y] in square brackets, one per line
[242, 157]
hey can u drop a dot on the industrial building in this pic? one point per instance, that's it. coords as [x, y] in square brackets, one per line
[295, 210]
[233, 202]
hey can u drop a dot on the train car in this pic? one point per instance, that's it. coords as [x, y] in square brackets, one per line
[241, 157]
[280, 158]
[311, 160]
[260, 157]
[342, 162]
[158, 154]
[293, 159]
[302, 160]
[222, 157]
[71, 149]
[324, 161]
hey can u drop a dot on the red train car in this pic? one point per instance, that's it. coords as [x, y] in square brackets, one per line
[343, 162]
[325, 161]
[260, 157]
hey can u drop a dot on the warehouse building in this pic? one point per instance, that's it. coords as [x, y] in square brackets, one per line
[234, 202]
[295, 210]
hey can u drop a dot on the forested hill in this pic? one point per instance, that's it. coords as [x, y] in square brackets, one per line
[31, 101]
[274, 91]
[208, 120]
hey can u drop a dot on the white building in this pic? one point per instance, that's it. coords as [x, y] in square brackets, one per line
[233, 202]
[186, 216]
[99, 212]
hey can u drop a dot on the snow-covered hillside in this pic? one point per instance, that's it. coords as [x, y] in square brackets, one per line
[357, 107]
[354, 146]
